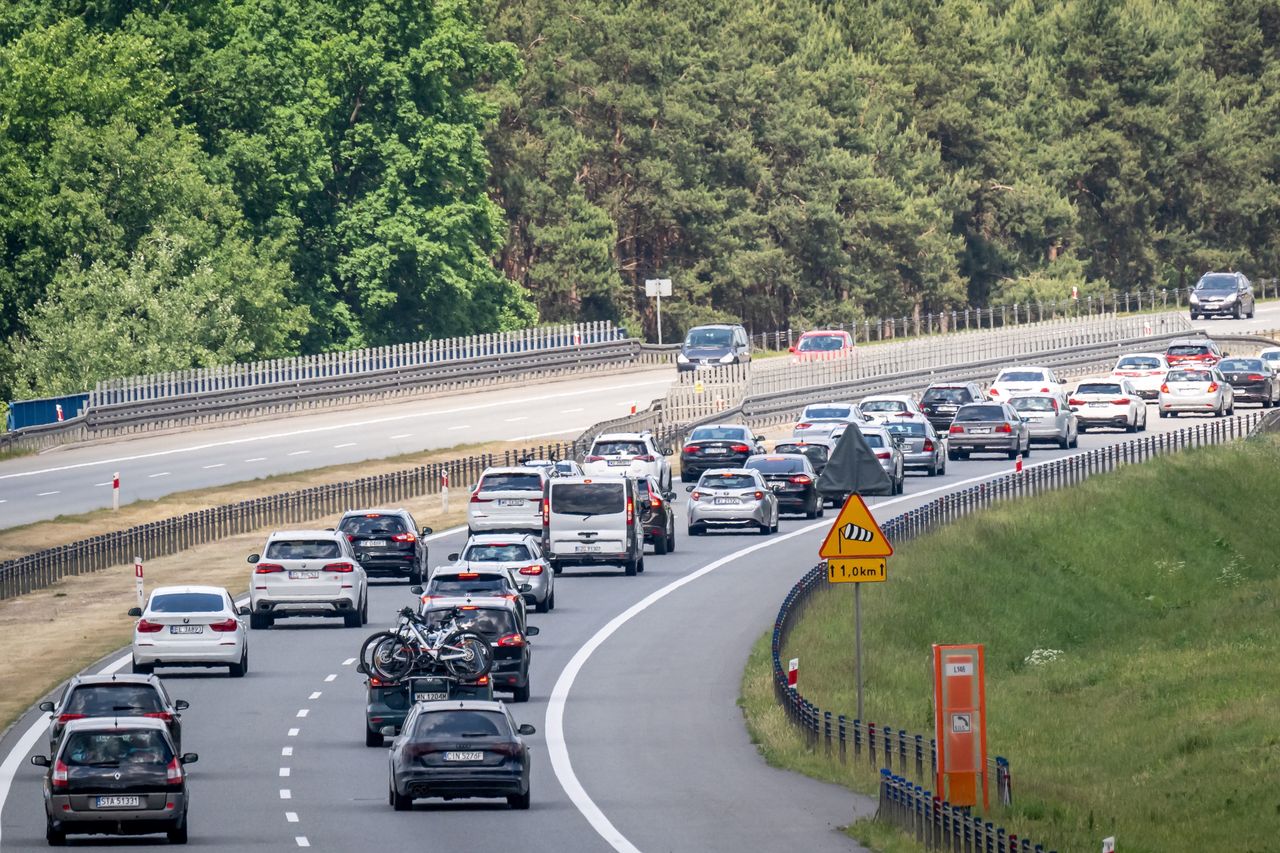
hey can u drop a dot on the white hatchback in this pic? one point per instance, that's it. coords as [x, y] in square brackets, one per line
[1024, 379]
[887, 407]
[507, 500]
[628, 454]
[307, 573]
[1144, 370]
[190, 626]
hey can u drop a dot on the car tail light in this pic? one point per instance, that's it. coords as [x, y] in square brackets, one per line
[740, 448]
[802, 479]
[162, 716]
[351, 537]
[882, 454]
[1054, 403]
[404, 537]
[145, 627]
[268, 568]
[511, 641]
[631, 511]
[59, 777]
[592, 458]
[1255, 377]
[546, 512]
[1120, 401]
[691, 449]
[339, 567]
[803, 426]
[758, 495]
[1004, 428]
[531, 570]
[468, 576]
[956, 429]
[476, 499]
[697, 496]
[173, 773]
[994, 392]
[905, 414]
[1074, 402]
[1044, 390]
[223, 627]
[1213, 386]
[928, 446]
[66, 718]
[1164, 387]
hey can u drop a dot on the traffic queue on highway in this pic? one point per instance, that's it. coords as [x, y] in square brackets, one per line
[115, 764]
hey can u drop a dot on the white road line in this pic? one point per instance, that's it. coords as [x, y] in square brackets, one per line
[515, 420]
[3, 501]
[564, 431]
[257, 459]
[294, 732]
[107, 483]
[233, 442]
[402, 435]
[215, 465]
[302, 841]
[460, 426]
[299, 452]
[284, 771]
[315, 695]
[348, 661]
[331, 676]
[161, 474]
[302, 712]
[558, 749]
[344, 444]
[286, 794]
[286, 751]
[46, 494]
[571, 411]
[292, 817]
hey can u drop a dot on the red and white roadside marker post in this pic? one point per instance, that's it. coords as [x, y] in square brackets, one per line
[632, 408]
[137, 578]
[1109, 844]
[58, 408]
[1017, 468]
[115, 491]
[793, 673]
[444, 491]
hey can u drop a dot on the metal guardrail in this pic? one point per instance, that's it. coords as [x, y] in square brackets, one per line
[911, 749]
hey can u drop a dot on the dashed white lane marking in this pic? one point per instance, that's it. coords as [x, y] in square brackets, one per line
[402, 435]
[292, 817]
[287, 752]
[565, 431]
[348, 661]
[460, 426]
[299, 452]
[107, 483]
[302, 841]
[302, 712]
[344, 444]
[284, 771]
[46, 494]
[257, 459]
[3, 501]
[515, 420]
[294, 732]
[331, 676]
[315, 695]
[158, 474]
[571, 411]
[215, 465]
[286, 794]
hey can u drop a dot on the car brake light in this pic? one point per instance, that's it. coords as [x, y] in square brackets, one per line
[802, 479]
[404, 537]
[592, 458]
[631, 511]
[59, 777]
[531, 570]
[1074, 402]
[339, 567]
[758, 495]
[66, 718]
[1044, 390]
[163, 716]
[1254, 377]
[955, 428]
[1054, 403]
[223, 627]
[691, 449]
[1164, 387]
[1213, 386]
[645, 458]
[145, 627]
[173, 773]
[803, 426]
[268, 568]
[928, 446]
[740, 448]
[511, 641]
[994, 392]
[882, 454]
[468, 607]
[697, 496]
[476, 499]
[467, 576]
[546, 512]
[1004, 428]
[1121, 401]
[905, 414]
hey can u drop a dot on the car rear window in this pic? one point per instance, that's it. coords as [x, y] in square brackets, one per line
[377, 525]
[187, 602]
[1187, 349]
[618, 448]
[980, 413]
[513, 482]
[873, 439]
[1270, 356]
[497, 552]
[493, 622]
[587, 498]
[829, 413]
[100, 700]
[1135, 362]
[820, 343]
[303, 549]
[777, 465]
[113, 749]
[1034, 404]
[815, 452]
[910, 428]
[1189, 376]
[482, 583]
[884, 406]
[728, 481]
[718, 434]
[947, 395]
[1241, 364]
[445, 725]
[1099, 388]
[1021, 376]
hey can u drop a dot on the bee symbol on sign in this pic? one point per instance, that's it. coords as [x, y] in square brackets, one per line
[854, 533]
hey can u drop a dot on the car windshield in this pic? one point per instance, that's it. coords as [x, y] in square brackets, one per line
[910, 428]
[472, 583]
[618, 448]
[777, 465]
[453, 723]
[827, 413]
[303, 549]
[883, 406]
[820, 343]
[187, 602]
[1189, 376]
[1034, 404]
[947, 395]
[980, 413]
[496, 552]
[102, 700]
[719, 433]
[709, 338]
[728, 481]
[112, 749]
[1099, 388]
[1216, 283]
[587, 498]
[490, 621]
[372, 525]
[1137, 362]
[1020, 376]
[1188, 349]
[1241, 365]
[513, 482]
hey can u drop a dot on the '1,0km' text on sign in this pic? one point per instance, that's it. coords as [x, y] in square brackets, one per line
[855, 548]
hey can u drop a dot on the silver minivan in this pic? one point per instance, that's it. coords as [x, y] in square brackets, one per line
[589, 521]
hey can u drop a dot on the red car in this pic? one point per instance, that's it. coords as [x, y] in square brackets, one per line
[1193, 352]
[821, 345]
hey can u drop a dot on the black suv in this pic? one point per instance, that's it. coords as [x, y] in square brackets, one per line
[499, 620]
[712, 346]
[387, 543]
[941, 402]
[657, 515]
[114, 696]
[717, 446]
[791, 477]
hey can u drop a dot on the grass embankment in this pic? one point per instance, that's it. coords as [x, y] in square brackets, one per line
[1153, 595]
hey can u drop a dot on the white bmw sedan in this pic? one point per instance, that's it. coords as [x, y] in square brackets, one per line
[190, 626]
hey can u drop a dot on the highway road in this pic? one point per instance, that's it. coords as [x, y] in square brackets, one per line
[640, 744]
[78, 479]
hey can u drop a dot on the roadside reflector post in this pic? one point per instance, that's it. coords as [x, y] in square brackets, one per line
[137, 578]
[1017, 468]
[793, 674]
[115, 491]
[444, 491]
[58, 408]
[1109, 844]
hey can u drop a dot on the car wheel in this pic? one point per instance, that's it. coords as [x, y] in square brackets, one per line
[364, 611]
[519, 801]
[178, 835]
[1065, 441]
[400, 803]
[812, 512]
[55, 837]
[1082, 429]
[1075, 441]
[1235, 312]
[671, 539]
[1133, 427]
[372, 738]
[640, 565]
[239, 669]
[543, 606]
[556, 568]
[953, 455]
[631, 567]
[520, 694]
[693, 530]
[143, 668]
[260, 621]
[351, 619]
[551, 600]
[415, 577]
[660, 545]
[765, 528]
[1013, 454]
[822, 509]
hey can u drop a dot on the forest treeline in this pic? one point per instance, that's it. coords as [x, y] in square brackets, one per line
[185, 184]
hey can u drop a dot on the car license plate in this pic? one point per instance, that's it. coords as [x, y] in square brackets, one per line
[587, 549]
[725, 501]
[979, 429]
[510, 502]
[716, 451]
[1096, 405]
[186, 629]
[619, 462]
[303, 576]
[430, 697]
[118, 802]
[946, 408]
[374, 543]
[464, 756]
[1188, 391]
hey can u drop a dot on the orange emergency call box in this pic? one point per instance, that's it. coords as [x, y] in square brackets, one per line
[960, 723]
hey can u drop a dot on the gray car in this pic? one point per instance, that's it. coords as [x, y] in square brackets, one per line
[822, 420]
[731, 499]
[988, 428]
[888, 451]
[1048, 418]
[922, 447]
[713, 346]
[520, 556]
[1218, 293]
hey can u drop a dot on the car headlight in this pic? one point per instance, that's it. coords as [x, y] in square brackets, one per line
[1230, 297]
[681, 358]
[1195, 299]
[726, 359]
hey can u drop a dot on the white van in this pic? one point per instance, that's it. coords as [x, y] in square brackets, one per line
[588, 521]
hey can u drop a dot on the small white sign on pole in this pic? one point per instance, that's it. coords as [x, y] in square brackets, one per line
[1109, 844]
[137, 579]
[658, 288]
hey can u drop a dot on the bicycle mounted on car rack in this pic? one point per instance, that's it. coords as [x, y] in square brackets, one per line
[414, 646]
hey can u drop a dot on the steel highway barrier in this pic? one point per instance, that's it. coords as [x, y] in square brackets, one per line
[902, 802]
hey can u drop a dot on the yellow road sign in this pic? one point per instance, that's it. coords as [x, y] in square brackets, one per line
[855, 534]
[856, 571]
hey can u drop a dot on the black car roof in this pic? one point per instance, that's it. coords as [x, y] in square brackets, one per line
[116, 678]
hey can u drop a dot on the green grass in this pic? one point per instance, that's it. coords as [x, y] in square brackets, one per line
[1159, 722]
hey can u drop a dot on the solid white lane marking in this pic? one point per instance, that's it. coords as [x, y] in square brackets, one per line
[161, 474]
[257, 459]
[571, 411]
[286, 794]
[558, 749]
[344, 444]
[302, 841]
[460, 426]
[302, 712]
[215, 465]
[284, 771]
[515, 420]
[292, 817]
[294, 732]
[287, 751]
[46, 494]
[565, 431]
[299, 452]
[331, 676]
[348, 661]
[402, 435]
[315, 695]
[233, 442]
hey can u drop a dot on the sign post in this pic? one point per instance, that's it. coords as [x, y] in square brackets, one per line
[658, 287]
[855, 550]
[960, 723]
[137, 579]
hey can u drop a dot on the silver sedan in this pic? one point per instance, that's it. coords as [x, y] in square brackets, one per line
[1048, 418]
[920, 444]
[732, 498]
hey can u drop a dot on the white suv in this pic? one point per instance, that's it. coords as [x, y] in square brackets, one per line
[628, 454]
[507, 500]
[307, 573]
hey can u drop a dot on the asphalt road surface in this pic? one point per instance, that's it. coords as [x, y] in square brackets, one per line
[640, 744]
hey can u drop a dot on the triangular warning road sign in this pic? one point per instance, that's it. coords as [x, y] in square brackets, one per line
[855, 534]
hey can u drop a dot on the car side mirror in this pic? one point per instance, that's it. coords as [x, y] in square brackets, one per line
[688, 488]
[791, 349]
[181, 705]
[426, 531]
[668, 451]
[525, 729]
[453, 558]
[243, 610]
[43, 760]
[1075, 408]
[759, 438]
[46, 706]
[253, 558]
[189, 758]
[135, 611]
[669, 495]
[525, 587]
[532, 631]
[415, 590]
[1225, 354]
